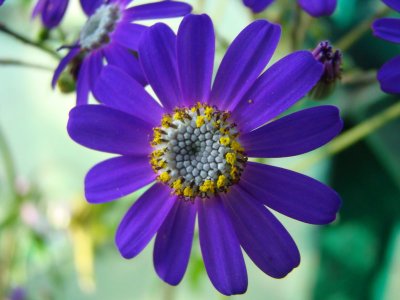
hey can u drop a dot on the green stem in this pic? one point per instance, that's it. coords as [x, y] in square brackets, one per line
[25, 40]
[352, 136]
[8, 164]
[18, 63]
[354, 35]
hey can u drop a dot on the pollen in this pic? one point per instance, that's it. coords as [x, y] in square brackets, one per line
[197, 152]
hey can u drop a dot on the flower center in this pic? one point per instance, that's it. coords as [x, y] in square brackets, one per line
[196, 152]
[98, 27]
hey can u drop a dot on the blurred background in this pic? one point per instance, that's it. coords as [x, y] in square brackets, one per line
[53, 245]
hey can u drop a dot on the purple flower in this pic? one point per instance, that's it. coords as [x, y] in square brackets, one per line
[332, 62]
[1, 2]
[51, 12]
[389, 29]
[195, 147]
[110, 34]
[315, 8]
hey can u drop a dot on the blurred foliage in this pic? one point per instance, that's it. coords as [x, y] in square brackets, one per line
[43, 243]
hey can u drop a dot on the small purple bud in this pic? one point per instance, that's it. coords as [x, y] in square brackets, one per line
[332, 61]
[17, 293]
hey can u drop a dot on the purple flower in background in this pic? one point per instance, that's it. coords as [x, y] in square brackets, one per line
[257, 5]
[195, 147]
[389, 30]
[315, 8]
[1, 2]
[110, 34]
[51, 12]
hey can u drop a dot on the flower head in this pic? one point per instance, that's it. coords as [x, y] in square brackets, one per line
[332, 62]
[51, 12]
[195, 149]
[389, 29]
[315, 8]
[110, 35]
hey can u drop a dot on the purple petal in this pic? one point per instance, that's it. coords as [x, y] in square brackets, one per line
[220, 248]
[394, 4]
[196, 57]
[257, 6]
[244, 60]
[39, 7]
[117, 177]
[294, 134]
[117, 89]
[83, 83]
[106, 129]
[290, 193]
[128, 35]
[63, 64]
[157, 54]
[52, 12]
[143, 220]
[121, 57]
[282, 85]
[318, 8]
[387, 29]
[90, 6]
[174, 242]
[95, 60]
[261, 235]
[158, 10]
[389, 76]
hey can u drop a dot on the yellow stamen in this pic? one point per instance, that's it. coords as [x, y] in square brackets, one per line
[188, 192]
[200, 121]
[235, 145]
[165, 177]
[225, 140]
[221, 181]
[166, 121]
[177, 184]
[230, 158]
[207, 186]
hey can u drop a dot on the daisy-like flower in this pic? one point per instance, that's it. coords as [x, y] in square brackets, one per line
[110, 35]
[196, 148]
[389, 30]
[315, 8]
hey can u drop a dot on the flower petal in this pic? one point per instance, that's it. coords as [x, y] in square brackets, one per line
[292, 194]
[52, 13]
[128, 35]
[63, 64]
[90, 6]
[121, 57]
[282, 85]
[261, 235]
[117, 177]
[196, 57]
[387, 29]
[143, 219]
[174, 242]
[220, 248]
[389, 76]
[83, 83]
[117, 89]
[158, 10]
[106, 129]
[157, 54]
[257, 6]
[95, 60]
[318, 8]
[294, 134]
[394, 4]
[244, 60]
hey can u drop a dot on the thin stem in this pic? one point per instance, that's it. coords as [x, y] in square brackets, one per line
[25, 40]
[19, 63]
[354, 35]
[352, 136]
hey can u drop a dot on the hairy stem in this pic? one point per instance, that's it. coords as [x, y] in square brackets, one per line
[19, 63]
[25, 40]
